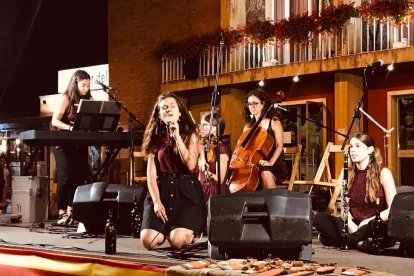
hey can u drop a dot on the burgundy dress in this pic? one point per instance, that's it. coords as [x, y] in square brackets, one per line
[358, 206]
[180, 193]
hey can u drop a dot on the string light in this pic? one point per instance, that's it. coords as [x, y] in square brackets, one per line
[295, 78]
[261, 83]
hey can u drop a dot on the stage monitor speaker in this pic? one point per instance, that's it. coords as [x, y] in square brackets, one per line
[260, 224]
[401, 218]
[92, 202]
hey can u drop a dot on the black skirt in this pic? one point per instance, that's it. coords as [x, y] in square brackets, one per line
[183, 201]
[279, 169]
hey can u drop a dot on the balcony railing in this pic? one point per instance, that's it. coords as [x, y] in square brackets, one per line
[356, 37]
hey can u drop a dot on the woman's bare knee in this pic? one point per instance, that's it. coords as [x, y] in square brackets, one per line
[268, 179]
[151, 239]
[181, 237]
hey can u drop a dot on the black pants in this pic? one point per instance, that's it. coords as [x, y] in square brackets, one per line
[72, 171]
[330, 229]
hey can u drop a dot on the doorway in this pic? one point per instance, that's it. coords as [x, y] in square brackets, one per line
[401, 151]
[301, 126]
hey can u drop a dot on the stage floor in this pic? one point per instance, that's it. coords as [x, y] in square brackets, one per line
[54, 239]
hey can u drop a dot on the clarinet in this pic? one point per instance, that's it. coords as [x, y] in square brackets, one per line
[345, 204]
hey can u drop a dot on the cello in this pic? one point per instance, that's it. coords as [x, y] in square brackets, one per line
[252, 146]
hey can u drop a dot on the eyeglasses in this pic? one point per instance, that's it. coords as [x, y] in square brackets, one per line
[254, 104]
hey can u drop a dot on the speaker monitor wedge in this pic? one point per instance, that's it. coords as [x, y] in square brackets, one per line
[265, 223]
[401, 218]
[92, 202]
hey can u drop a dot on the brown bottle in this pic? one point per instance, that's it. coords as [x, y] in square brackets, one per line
[110, 234]
[378, 231]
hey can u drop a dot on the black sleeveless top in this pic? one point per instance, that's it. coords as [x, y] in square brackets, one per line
[273, 149]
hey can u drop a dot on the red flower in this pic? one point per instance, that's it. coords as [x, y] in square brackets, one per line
[297, 29]
[333, 18]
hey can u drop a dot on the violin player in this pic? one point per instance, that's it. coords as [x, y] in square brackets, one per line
[208, 156]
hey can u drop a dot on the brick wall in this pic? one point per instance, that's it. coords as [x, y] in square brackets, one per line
[135, 28]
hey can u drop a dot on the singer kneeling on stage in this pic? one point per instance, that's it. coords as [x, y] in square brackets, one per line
[368, 182]
[174, 208]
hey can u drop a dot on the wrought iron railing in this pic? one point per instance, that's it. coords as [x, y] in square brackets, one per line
[356, 37]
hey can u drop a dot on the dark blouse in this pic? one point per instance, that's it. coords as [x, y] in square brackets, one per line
[359, 208]
[168, 160]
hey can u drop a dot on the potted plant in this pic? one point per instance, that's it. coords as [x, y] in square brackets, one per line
[333, 18]
[396, 11]
[297, 29]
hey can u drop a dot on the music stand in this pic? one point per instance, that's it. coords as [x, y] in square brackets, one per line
[97, 116]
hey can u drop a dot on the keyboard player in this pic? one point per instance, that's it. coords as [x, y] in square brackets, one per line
[71, 160]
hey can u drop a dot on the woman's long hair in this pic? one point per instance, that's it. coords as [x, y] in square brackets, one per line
[72, 91]
[373, 186]
[156, 129]
[264, 99]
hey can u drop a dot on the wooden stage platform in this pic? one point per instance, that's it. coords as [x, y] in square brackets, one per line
[45, 237]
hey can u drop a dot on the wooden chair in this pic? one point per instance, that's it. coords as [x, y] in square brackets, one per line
[296, 152]
[139, 179]
[325, 170]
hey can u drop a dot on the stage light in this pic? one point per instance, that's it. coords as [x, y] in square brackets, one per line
[295, 78]
[261, 83]
[390, 67]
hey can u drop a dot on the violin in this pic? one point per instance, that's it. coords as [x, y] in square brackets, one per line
[209, 154]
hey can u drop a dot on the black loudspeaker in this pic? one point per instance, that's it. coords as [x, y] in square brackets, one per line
[401, 218]
[92, 202]
[261, 224]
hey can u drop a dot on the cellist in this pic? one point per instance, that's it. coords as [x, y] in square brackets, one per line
[207, 160]
[273, 169]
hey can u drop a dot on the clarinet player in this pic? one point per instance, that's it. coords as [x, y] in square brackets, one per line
[368, 180]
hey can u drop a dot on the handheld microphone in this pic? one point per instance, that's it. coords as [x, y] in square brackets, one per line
[376, 64]
[277, 106]
[104, 86]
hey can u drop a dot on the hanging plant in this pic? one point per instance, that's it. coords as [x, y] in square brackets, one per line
[297, 29]
[260, 32]
[333, 18]
[396, 11]
[168, 49]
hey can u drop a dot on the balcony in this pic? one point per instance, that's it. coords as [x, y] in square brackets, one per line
[347, 50]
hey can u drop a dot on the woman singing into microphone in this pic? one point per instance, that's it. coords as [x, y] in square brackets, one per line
[174, 208]
[273, 169]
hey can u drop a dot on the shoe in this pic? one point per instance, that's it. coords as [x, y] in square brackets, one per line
[197, 238]
[62, 219]
[368, 246]
[324, 241]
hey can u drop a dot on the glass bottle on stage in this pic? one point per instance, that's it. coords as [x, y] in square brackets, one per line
[135, 218]
[110, 234]
[378, 231]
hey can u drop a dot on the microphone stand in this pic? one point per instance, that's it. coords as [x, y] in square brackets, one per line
[386, 132]
[131, 119]
[317, 124]
[215, 111]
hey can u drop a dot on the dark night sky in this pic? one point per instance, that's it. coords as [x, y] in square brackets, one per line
[40, 37]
